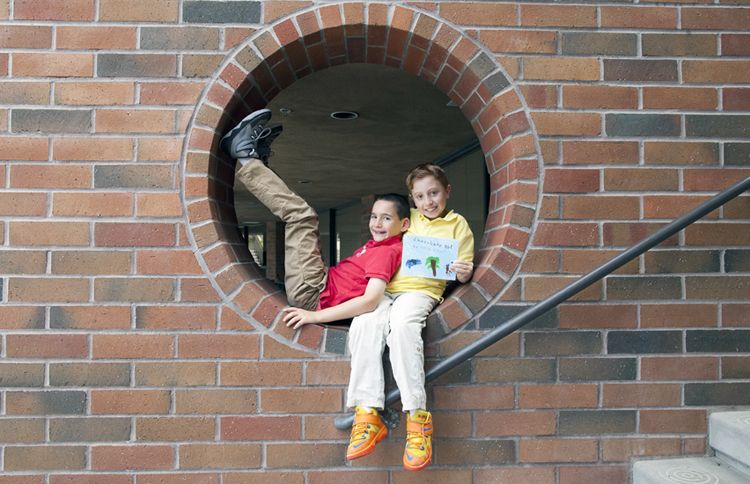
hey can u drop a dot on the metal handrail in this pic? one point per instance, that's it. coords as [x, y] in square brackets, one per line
[567, 292]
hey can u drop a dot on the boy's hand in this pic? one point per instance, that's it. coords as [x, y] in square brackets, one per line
[463, 270]
[296, 317]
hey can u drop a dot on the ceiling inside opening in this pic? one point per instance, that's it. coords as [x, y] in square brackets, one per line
[403, 121]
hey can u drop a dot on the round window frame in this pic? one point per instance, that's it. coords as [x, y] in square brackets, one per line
[416, 41]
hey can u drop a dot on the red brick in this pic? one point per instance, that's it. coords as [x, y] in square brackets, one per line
[23, 204]
[63, 290]
[50, 457]
[176, 317]
[130, 402]
[712, 179]
[520, 41]
[134, 234]
[641, 17]
[186, 478]
[305, 400]
[539, 288]
[622, 449]
[680, 153]
[567, 124]
[558, 396]
[558, 16]
[92, 204]
[640, 180]
[170, 92]
[680, 98]
[72, 10]
[169, 374]
[22, 317]
[581, 261]
[735, 44]
[571, 181]
[327, 373]
[131, 457]
[129, 346]
[597, 473]
[601, 207]
[629, 395]
[167, 262]
[561, 69]
[558, 450]
[219, 346]
[735, 99]
[91, 94]
[134, 289]
[25, 37]
[93, 149]
[261, 373]
[138, 10]
[175, 429]
[56, 176]
[47, 346]
[95, 38]
[679, 368]
[599, 97]
[473, 397]
[97, 317]
[134, 121]
[678, 315]
[600, 152]
[89, 479]
[261, 428]
[598, 316]
[673, 421]
[536, 474]
[735, 315]
[719, 71]
[24, 149]
[479, 13]
[220, 456]
[158, 205]
[53, 65]
[199, 290]
[216, 401]
[715, 18]
[500, 424]
[566, 234]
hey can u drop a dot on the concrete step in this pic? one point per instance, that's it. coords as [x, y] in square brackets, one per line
[692, 470]
[729, 435]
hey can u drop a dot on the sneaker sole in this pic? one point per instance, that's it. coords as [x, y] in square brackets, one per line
[419, 467]
[261, 113]
[367, 450]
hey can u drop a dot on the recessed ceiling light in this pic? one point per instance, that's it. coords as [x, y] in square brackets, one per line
[344, 115]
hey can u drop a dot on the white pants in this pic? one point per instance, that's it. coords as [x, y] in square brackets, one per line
[397, 321]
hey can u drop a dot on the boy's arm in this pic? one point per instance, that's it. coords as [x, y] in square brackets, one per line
[367, 302]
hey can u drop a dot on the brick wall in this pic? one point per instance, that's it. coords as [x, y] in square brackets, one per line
[141, 345]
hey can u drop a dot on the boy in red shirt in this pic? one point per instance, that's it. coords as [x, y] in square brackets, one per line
[353, 287]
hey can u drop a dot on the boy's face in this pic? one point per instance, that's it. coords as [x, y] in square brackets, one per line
[384, 221]
[430, 196]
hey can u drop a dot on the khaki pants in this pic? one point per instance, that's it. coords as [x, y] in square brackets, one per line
[305, 272]
[398, 322]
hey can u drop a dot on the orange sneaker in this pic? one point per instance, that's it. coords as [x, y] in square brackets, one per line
[418, 451]
[367, 431]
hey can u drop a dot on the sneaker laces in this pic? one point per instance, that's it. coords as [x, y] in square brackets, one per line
[415, 440]
[359, 430]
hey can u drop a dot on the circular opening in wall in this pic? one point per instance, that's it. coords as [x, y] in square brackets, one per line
[344, 115]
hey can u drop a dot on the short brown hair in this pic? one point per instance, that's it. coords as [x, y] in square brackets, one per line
[424, 170]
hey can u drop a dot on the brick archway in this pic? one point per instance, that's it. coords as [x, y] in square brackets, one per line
[412, 40]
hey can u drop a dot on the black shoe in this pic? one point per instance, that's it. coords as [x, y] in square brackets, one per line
[264, 144]
[242, 140]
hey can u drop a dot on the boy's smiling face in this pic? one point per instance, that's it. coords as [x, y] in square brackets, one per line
[430, 196]
[384, 221]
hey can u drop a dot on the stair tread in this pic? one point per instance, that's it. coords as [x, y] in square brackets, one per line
[686, 470]
[730, 434]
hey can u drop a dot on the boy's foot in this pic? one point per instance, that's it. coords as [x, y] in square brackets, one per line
[242, 140]
[264, 143]
[368, 429]
[418, 451]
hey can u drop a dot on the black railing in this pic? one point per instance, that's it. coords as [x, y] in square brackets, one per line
[525, 317]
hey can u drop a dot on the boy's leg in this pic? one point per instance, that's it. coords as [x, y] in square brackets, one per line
[408, 315]
[304, 267]
[367, 336]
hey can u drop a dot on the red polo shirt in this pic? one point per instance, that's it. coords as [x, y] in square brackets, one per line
[348, 279]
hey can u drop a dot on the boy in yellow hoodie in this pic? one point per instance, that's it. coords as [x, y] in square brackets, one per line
[413, 300]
